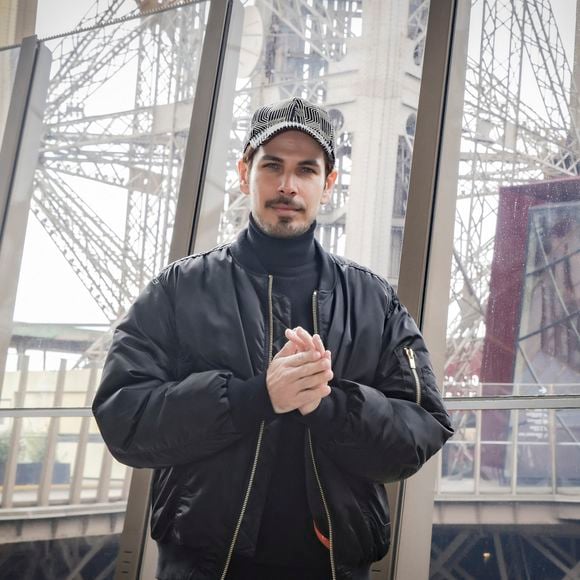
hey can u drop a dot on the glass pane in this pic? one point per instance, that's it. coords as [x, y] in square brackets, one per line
[102, 208]
[83, 14]
[513, 323]
[508, 482]
[105, 187]
[8, 63]
[51, 465]
[362, 61]
[508, 452]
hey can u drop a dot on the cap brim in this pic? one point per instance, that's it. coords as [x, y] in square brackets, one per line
[272, 131]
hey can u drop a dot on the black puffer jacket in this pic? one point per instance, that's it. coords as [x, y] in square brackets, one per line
[165, 402]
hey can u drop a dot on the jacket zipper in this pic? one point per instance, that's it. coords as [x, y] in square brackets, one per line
[314, 466]
[411, 357]
[258, 444]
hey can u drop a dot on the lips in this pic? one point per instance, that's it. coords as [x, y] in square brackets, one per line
[285, 208]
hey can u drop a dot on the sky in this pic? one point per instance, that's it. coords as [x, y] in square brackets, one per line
[51, 21]
[63, 298]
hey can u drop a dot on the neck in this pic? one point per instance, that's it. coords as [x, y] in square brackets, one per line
[281, 255]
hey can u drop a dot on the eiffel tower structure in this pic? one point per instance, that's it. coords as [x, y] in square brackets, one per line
[313, 49]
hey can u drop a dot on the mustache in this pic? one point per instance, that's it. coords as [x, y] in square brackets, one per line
[287, 201]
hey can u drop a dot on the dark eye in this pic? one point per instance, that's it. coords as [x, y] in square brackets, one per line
[307, 169]
[272, 165]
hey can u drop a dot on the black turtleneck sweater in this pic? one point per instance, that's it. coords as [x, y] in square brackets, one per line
[286, 535]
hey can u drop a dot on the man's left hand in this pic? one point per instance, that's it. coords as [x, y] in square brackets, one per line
[304, 341]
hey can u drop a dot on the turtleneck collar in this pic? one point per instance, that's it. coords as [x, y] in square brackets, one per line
[281, 256]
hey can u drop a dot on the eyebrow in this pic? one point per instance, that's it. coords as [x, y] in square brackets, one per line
[312, 162]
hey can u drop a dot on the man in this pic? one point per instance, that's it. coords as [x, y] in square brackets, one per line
[272, 387]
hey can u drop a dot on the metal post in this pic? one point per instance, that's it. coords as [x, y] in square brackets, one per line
[104, 485]
[212, 192]
[18, 159]
[15, 122]
[15, 436]
[477, 453]
[126, 484]
[131, 564]
[51, 439]
[553, 449]
[439, 473]
[81, 452]
[201, 126]
[428, 246]
[514, 454]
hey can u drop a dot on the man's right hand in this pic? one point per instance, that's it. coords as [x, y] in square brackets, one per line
[297, 379]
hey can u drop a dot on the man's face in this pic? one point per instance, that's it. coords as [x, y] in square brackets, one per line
[286, 183]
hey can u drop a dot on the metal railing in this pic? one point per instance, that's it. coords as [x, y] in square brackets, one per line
[55, 456]
[512, 447]
[534, 446]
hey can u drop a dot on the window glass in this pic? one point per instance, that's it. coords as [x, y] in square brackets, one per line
[510, 453]
[106, 182]
[102, 207]
[47, 466]
[513, 325]
[8, 63]
[509, 479]
[362, 61]
[75, 14]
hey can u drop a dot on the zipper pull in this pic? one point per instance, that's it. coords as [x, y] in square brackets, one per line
[411, 356]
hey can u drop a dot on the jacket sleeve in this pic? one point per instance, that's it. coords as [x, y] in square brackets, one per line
[385, 431]
[148, 417]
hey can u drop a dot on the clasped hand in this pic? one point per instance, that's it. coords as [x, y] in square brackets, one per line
[298, 375]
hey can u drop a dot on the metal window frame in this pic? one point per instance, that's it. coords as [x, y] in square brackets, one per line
[511, 403]
[18, 154]
[426, 262]
[136, 557]
[427, 251]
[14, 130]
[201, 128]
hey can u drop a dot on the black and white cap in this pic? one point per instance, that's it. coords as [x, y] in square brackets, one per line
[295, 113]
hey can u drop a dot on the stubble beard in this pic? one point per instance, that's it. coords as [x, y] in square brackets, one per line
[283, 228]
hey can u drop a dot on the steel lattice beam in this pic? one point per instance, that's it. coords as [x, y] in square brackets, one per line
[505, 139]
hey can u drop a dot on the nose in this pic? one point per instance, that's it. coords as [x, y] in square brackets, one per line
[287, 184]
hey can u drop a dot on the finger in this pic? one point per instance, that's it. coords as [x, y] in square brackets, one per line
[312, 367]
[288, 349]
[304, 358]
[291, 335]
[318, 343]
[304, 375]
[312, 381]
[305, 336]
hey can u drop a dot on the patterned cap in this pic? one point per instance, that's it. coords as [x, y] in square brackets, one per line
[294, 113]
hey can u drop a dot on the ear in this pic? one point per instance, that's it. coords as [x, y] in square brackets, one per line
[244, 174]
[328, 185]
